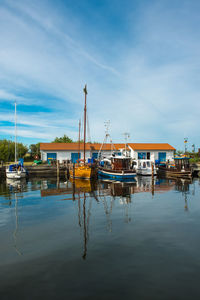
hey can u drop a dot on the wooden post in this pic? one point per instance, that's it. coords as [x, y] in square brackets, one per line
[152, 170]
[58, 169]
[58, 174]
[73, 170]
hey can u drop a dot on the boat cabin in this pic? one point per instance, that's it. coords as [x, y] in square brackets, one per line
[120, 163]
[144, 164]
[182, 163]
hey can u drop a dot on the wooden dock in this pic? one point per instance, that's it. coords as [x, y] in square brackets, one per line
[196, 169]
[41, 171]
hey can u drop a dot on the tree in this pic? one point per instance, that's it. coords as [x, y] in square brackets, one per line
[34, 150]
[7, 150]
[64, 139]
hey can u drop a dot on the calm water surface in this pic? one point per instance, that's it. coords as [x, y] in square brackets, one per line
[100, 240]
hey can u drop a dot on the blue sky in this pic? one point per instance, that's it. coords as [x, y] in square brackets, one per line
[140, 60]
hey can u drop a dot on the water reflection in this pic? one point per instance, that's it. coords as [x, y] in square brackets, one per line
[84, 192]
[54, 232]
[16, 226]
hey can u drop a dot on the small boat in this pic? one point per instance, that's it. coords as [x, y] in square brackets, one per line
[181, 169]
[145, 168]
[119, 168]
[16, 170]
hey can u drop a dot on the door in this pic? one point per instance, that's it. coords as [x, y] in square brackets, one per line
[162, 156]
[74, 157]
[51, 156]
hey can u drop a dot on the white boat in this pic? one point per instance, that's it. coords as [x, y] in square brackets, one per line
[16, 170]
[144, 167]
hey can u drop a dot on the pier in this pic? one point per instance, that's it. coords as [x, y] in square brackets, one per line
[41, 171]
[196, 169]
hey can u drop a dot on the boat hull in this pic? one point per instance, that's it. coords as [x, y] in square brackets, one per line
[82, 172]
[174, 173]
[146, 172]
[15, 175]
[117, 175]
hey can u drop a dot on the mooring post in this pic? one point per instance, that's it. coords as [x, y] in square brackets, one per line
[58, 174]
[58, 169]
[73, 170]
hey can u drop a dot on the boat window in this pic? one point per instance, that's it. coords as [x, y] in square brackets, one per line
[144, 164]
[148, 164]
[148, 155]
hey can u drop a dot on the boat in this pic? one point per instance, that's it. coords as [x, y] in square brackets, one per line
[180, 169]
[81, 170]
[145, 168]
[118, 169]
[16, 170]
[115, 166]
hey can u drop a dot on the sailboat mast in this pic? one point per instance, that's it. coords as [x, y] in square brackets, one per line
[15, 132]
[79, 137]
[85, 107]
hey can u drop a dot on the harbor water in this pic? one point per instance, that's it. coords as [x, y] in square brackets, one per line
[100, 240]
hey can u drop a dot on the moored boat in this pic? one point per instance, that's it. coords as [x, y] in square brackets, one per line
[16, 170]
[145, 168]
[181, 169]
[119, 169]
[83, 170]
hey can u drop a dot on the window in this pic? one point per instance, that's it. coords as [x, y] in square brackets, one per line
[141, 155]
[148, 155]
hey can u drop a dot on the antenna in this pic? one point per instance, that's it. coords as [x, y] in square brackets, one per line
[126, 136]
[107, 135]
[107, 127]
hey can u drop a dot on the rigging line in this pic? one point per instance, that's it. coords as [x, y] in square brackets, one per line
[88, 128]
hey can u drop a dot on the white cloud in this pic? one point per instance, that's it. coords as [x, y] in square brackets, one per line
[148, 86]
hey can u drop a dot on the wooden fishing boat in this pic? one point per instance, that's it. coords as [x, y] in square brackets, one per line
[181, 169]
[81, 170]
[119, 169]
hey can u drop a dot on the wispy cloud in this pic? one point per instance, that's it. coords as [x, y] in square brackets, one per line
[141, 66]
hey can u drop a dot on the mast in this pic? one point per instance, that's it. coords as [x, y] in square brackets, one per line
[85, 108]
[15, 132]
[79, 133]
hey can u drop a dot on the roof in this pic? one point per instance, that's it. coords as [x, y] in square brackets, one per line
[97, 146]
[75, 146]
[151, 146]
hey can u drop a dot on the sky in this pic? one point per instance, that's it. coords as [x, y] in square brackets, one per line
[139, 59]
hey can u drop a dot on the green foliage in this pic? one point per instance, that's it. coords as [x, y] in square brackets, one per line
[179, 152]
[7, 150]
[64, 139]
[195, 160]
[34, 150]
